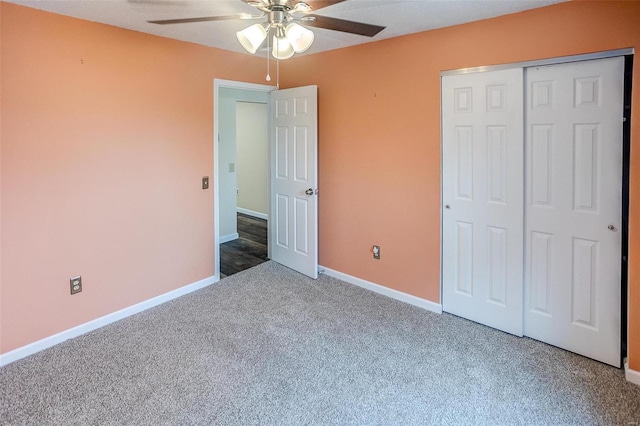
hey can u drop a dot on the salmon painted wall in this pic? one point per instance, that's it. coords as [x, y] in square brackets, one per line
[105, 136]
[379, 135]
[106, 133]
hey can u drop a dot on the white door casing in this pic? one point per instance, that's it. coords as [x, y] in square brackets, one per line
[293, 228]
[482, 197]
[573, 196]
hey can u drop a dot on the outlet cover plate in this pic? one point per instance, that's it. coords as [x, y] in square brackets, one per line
[76, 284]
[376, 252]
[205, 182]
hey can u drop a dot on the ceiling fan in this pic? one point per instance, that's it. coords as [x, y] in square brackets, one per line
[284, 18]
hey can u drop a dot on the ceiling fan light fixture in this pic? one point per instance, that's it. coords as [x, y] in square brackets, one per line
[282, 48]
[252, 37]
[299, 37]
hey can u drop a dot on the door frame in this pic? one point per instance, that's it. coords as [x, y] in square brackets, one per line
[240, 85]
[628, 55]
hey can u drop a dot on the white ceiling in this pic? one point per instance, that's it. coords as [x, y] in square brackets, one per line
[400, 17]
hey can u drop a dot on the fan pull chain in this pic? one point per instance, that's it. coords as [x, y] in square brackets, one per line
[278, 63]
[268, 76]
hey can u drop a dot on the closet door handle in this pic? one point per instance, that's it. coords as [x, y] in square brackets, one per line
[612, 228]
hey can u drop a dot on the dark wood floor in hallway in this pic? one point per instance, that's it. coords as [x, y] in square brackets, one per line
[249, 250]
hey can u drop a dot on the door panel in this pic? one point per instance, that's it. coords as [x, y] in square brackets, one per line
[573, 194]
[294, 211]
[482, 195]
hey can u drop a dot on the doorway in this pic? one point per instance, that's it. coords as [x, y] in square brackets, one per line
[293, 175]
[250, 167]
[240, 221]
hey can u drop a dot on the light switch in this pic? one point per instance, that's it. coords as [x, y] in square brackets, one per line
[205, 182]
[232, 167]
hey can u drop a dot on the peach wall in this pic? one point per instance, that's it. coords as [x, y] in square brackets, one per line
[379, 135]
[1, 44]
[105, 136]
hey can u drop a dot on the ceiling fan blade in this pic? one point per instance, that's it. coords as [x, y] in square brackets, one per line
[201, 19]
[319, 4]
[262, 5]
[344, 25]
[314, 4]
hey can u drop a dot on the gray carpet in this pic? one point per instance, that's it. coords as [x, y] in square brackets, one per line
[269, 346]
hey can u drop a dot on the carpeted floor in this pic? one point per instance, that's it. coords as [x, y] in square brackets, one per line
[269, 346]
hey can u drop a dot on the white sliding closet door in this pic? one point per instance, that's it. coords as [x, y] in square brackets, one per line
[574, 206]
[482, 196]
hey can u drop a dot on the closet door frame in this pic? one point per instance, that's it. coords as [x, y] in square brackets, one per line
[628, 55]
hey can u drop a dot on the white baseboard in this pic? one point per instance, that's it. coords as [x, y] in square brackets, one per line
[632, 376]
[230, 237]
[385, 291]
[252, 213]
[81, 329]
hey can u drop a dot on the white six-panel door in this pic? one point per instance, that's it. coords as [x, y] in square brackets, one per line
[574, 206]
[293, 225]
[482, 145]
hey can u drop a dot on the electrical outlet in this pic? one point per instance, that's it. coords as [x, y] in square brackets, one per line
[376, 252]
[76, 284]
[205, 182]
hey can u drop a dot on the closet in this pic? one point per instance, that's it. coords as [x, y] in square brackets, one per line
[532, 162]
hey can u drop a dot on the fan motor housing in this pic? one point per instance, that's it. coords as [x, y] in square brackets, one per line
[277, 17]
[284, 3]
